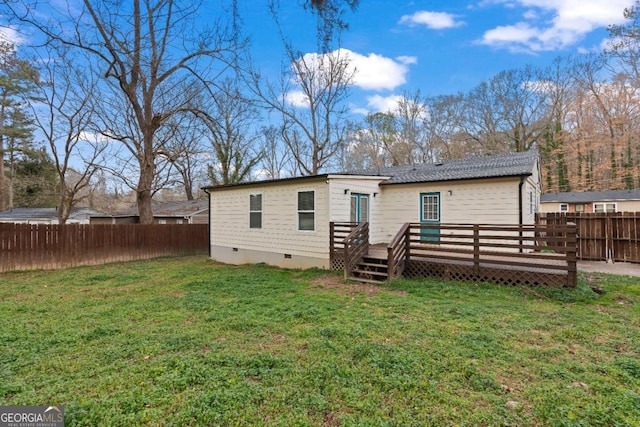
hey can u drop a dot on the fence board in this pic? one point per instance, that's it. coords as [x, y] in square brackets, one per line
[29, 246]
[602, 236]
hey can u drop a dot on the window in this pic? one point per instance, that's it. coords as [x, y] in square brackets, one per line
[430, 207]
[531, 204]
[604, 207]
[306, 211]
[255, 211]
[579, 207]
[564, 207]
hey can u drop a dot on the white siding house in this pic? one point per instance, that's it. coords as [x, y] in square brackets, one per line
[286, 222]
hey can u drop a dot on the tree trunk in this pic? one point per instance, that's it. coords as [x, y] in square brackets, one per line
[3, 201]
[64, 203]
[145, 182]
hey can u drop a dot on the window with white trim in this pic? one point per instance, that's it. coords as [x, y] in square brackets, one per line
[579, 207]
[564, 207]
[306, 211]
[531, 204]
[255, 211]
[604, 207]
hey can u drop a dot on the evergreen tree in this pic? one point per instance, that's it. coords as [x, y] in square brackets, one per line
[36, 182]
[16, 85]
[628, 168]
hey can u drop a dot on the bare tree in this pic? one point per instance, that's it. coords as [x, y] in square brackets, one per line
[275, 160]
[63, 113]
[330, 21]
[444, 127]
[186, 152]
[310, 103]
[229, 119]
[148, 48]
[412, 114]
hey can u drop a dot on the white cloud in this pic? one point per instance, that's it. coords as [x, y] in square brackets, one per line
[377, 72]
[372, 71]
[10, 35]
[94, 138]
[297, 98]
[432, 20]
[549, 25]
[383, 104]
[540, 86]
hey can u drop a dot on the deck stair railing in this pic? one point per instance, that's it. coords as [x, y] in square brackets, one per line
[398, 252]
[356, 246]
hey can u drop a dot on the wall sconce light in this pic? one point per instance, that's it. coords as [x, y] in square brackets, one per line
[346, 190]
[450, 192]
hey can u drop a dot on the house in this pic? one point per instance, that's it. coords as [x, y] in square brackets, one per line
[286, 222]
[46, 216]
[591, 201]
[181, 212]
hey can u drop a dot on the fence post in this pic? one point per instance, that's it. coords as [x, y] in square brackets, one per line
[609, 251]
[476, 250]
[572, 278]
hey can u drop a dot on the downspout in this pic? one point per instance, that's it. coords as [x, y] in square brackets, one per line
[209, 221]
[520, 212]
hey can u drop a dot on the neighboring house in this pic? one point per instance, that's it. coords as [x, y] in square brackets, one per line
[46, 216]
[286, 222]
[591, 201]
[183, 212]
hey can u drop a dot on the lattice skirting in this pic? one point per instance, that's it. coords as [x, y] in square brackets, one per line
[465, 273]
[337, 262]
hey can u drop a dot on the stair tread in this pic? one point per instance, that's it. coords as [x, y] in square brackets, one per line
[373, 264]
[373, 273]
[359, 279]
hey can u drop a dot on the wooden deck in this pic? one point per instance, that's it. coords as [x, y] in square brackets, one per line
[533, 263]
[505, 254]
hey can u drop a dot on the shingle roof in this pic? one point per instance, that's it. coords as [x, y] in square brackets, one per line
[503, 165]
[178, 209]
[591, 196]
[44, 213]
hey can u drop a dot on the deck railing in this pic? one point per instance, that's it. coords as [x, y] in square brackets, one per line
[508, 254]
[338, 231]
[356, 246]
[517, 247]
[398, 252]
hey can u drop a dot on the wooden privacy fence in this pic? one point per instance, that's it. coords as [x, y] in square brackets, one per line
[31, 246]
[602, 236]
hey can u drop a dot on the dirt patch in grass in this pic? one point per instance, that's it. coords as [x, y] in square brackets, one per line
[351, 288]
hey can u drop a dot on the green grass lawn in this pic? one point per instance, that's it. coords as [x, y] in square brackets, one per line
[185, 341]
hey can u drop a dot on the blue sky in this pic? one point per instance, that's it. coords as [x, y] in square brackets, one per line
[437, 47]
[440, 47]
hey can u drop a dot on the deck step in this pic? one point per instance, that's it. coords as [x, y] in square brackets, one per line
[360, 279]
[372, 264]
[372, 272]
[376, 261]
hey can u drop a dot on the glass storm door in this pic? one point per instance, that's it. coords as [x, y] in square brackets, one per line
[359, 208]
[430, 215]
